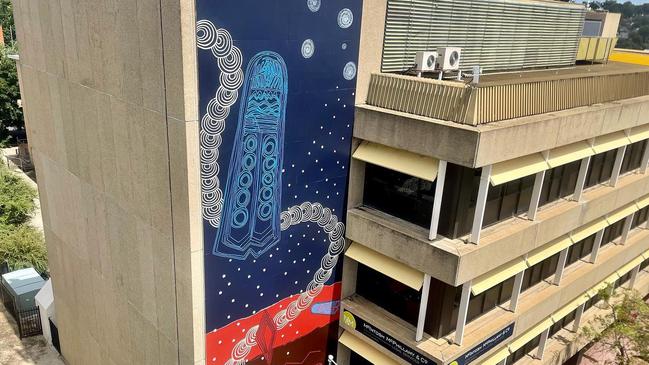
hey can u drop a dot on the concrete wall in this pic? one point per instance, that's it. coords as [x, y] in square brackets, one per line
[492, 143]
[109, 90]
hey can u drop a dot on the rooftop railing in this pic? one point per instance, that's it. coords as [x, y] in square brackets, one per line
[502, 100]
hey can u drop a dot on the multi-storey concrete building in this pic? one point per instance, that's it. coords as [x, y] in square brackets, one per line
[221, 182]
[485, 217]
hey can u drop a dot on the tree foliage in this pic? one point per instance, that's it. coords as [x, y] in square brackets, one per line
[11, 116]
[623, 328]
[7, 20]
[635, 21]
[21, 245]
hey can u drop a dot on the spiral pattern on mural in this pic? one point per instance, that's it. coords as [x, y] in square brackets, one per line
[229, 60]
[306, 212]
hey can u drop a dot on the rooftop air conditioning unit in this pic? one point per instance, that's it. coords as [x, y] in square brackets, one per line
[425, 61]
[449, 58]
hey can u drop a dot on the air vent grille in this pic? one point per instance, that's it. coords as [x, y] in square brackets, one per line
[497, 35]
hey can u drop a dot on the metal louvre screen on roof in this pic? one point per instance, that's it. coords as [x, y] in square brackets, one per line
[495, 34]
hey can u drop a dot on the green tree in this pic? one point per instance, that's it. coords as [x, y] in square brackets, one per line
[7, 20]
[623, 328]
[11, 116]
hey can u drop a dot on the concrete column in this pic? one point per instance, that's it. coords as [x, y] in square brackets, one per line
[462, 313]
[619, 157]
[437, 202]
[481, 203]
[350, 271]
[423, 306]
[343, 355]
[596, 245]
[542, 344]
[578, 314]
[627, 228]
[645, 159]
[516, 291]
[581, 179]
[561, 265]
[634, 276]
[536, 195]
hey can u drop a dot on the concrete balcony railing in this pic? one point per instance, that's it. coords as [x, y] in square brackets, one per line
[502, 97]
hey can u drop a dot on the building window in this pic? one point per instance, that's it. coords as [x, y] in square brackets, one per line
[580, 250]
[508, 200]
[633, 157]
[389, 294]
[479, 304]
[523, 351]
[400, 195]
[559, 182]
[592, 28]
[539, 272]
[562, 323]
[357, 359]
[612, 232]
[601, 168]
[640, 217]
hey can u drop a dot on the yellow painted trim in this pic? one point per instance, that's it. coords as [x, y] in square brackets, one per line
[568, 308]
[642, 202]
[497, 276]
[628, 267]
[530, 335]
[637, 57]
[365, 350]
[549, 249]
[386, 265]
[402, 161]
[517, 168]
[497, 357]
[570, 153]
[589, 229]
[621, 213]
[639, 133]
[610, 141]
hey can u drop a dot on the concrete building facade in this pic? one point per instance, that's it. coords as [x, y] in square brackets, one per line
[225, 184]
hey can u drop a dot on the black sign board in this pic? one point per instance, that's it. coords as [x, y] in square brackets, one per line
[395, 346]
[485, 346]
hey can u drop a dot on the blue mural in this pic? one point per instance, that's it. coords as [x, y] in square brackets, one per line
[253, 191]
[278, 135]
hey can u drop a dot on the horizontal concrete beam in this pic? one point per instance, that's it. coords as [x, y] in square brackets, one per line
[499, 141]
[455, 262]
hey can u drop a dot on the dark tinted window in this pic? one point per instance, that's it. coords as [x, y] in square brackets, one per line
[633, 157]
[357, 359]
[389, 294]
[400, 195]
[559, 182]
[507, 200]
[600, 168]
[539, 272]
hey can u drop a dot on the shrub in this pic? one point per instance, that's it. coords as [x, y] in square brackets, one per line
[16, 198]
[22, 247]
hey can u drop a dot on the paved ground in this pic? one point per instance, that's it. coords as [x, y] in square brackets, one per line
[29, 351]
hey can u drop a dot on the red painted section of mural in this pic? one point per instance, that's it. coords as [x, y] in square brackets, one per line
[324, 311]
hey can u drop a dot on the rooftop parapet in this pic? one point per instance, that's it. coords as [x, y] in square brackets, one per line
[507, 96]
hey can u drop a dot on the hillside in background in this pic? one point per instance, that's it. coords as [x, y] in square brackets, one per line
[634, 26]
